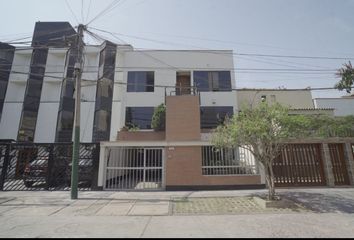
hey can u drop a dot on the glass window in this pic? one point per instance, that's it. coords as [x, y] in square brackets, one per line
[105, 88]
[37, 73]
[66, 119]
[3, 87]
[207, 81]
[139, 116]
[39, 56]
[211, 117]
[31, 103]
[140, 81]
[29, 119]
[34, 88]
[102, 120]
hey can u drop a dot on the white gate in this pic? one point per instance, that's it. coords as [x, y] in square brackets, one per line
[134, 168]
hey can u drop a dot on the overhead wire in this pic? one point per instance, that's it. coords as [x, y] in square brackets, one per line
[111, 6]
[237, 54]
[72, 12]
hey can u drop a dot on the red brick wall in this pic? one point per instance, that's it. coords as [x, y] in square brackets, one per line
[184, 167]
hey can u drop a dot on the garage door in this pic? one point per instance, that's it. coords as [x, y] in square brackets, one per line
[299, 165]
[134, 168]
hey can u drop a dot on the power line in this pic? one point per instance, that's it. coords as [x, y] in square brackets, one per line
[67, 4]
[110, 7]
[237, 54]
[168, 86]
[88, 11]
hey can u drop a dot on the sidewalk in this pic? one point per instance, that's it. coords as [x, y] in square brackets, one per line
[326, 213]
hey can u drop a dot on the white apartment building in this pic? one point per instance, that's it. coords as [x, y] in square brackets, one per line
[120, 86]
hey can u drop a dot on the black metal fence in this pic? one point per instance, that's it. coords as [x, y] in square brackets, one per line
[46, 166]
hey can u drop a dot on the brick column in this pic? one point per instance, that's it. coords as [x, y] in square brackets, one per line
[327, 165]
[349, 160]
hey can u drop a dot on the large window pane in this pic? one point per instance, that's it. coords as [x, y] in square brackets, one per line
[66, 119]
[139, 116]
[140, 81]
[102, 120]
[224, 80]
[201, 81]
[29, 119]
[211, 117]
[212, 80]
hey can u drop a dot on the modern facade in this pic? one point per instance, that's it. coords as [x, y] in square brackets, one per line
[121, 86]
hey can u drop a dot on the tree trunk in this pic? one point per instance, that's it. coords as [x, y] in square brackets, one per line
[270, 181]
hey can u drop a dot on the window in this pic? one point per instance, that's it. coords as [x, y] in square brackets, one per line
[227, 161]
[102, 120]
[39, 56]
[140, 82]
[107, 63]
[66, 120]
[139, 116]
[207, 81]
[211, 117]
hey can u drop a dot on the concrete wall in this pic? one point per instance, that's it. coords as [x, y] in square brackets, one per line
[342, 106]
[292, 99]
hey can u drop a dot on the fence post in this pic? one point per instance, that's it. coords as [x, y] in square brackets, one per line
[50, 167]
[5, 167]
[349, 159]
[95, 166]
[328, 165]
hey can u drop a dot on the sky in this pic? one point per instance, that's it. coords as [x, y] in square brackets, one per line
[309, 28]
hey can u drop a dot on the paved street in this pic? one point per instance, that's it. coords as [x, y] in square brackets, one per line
[322, 212]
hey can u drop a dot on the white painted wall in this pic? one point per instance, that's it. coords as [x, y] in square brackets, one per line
[50, 97]
[86, 121]
[46, 123]
[342, 106]
[10, 120]
[165, 64]
[11, 113]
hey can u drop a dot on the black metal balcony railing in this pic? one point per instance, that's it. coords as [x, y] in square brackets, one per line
[179, 91]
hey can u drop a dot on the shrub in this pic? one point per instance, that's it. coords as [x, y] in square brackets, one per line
[158, 121]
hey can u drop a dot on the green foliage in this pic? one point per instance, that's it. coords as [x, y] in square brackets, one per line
[133, 128]
[130, 127]
[264, 130]
[347, 77]
[158, 121]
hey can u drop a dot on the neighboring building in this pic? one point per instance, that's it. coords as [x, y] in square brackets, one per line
[298, 101]
[343, 106]
[121, 87]
[292, 99]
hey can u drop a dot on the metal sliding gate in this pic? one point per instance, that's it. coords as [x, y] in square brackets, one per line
[46, 166]
[134, 168]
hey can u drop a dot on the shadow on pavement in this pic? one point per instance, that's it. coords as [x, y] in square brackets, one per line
[322, 203]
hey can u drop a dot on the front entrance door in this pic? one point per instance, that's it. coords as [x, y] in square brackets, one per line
[183, 83]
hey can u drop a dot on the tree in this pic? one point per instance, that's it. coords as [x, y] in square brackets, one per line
[347, 77]
[158, 121]
[262, 130]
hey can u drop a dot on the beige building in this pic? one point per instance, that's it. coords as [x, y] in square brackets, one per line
[293, 99]
[299, 101]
